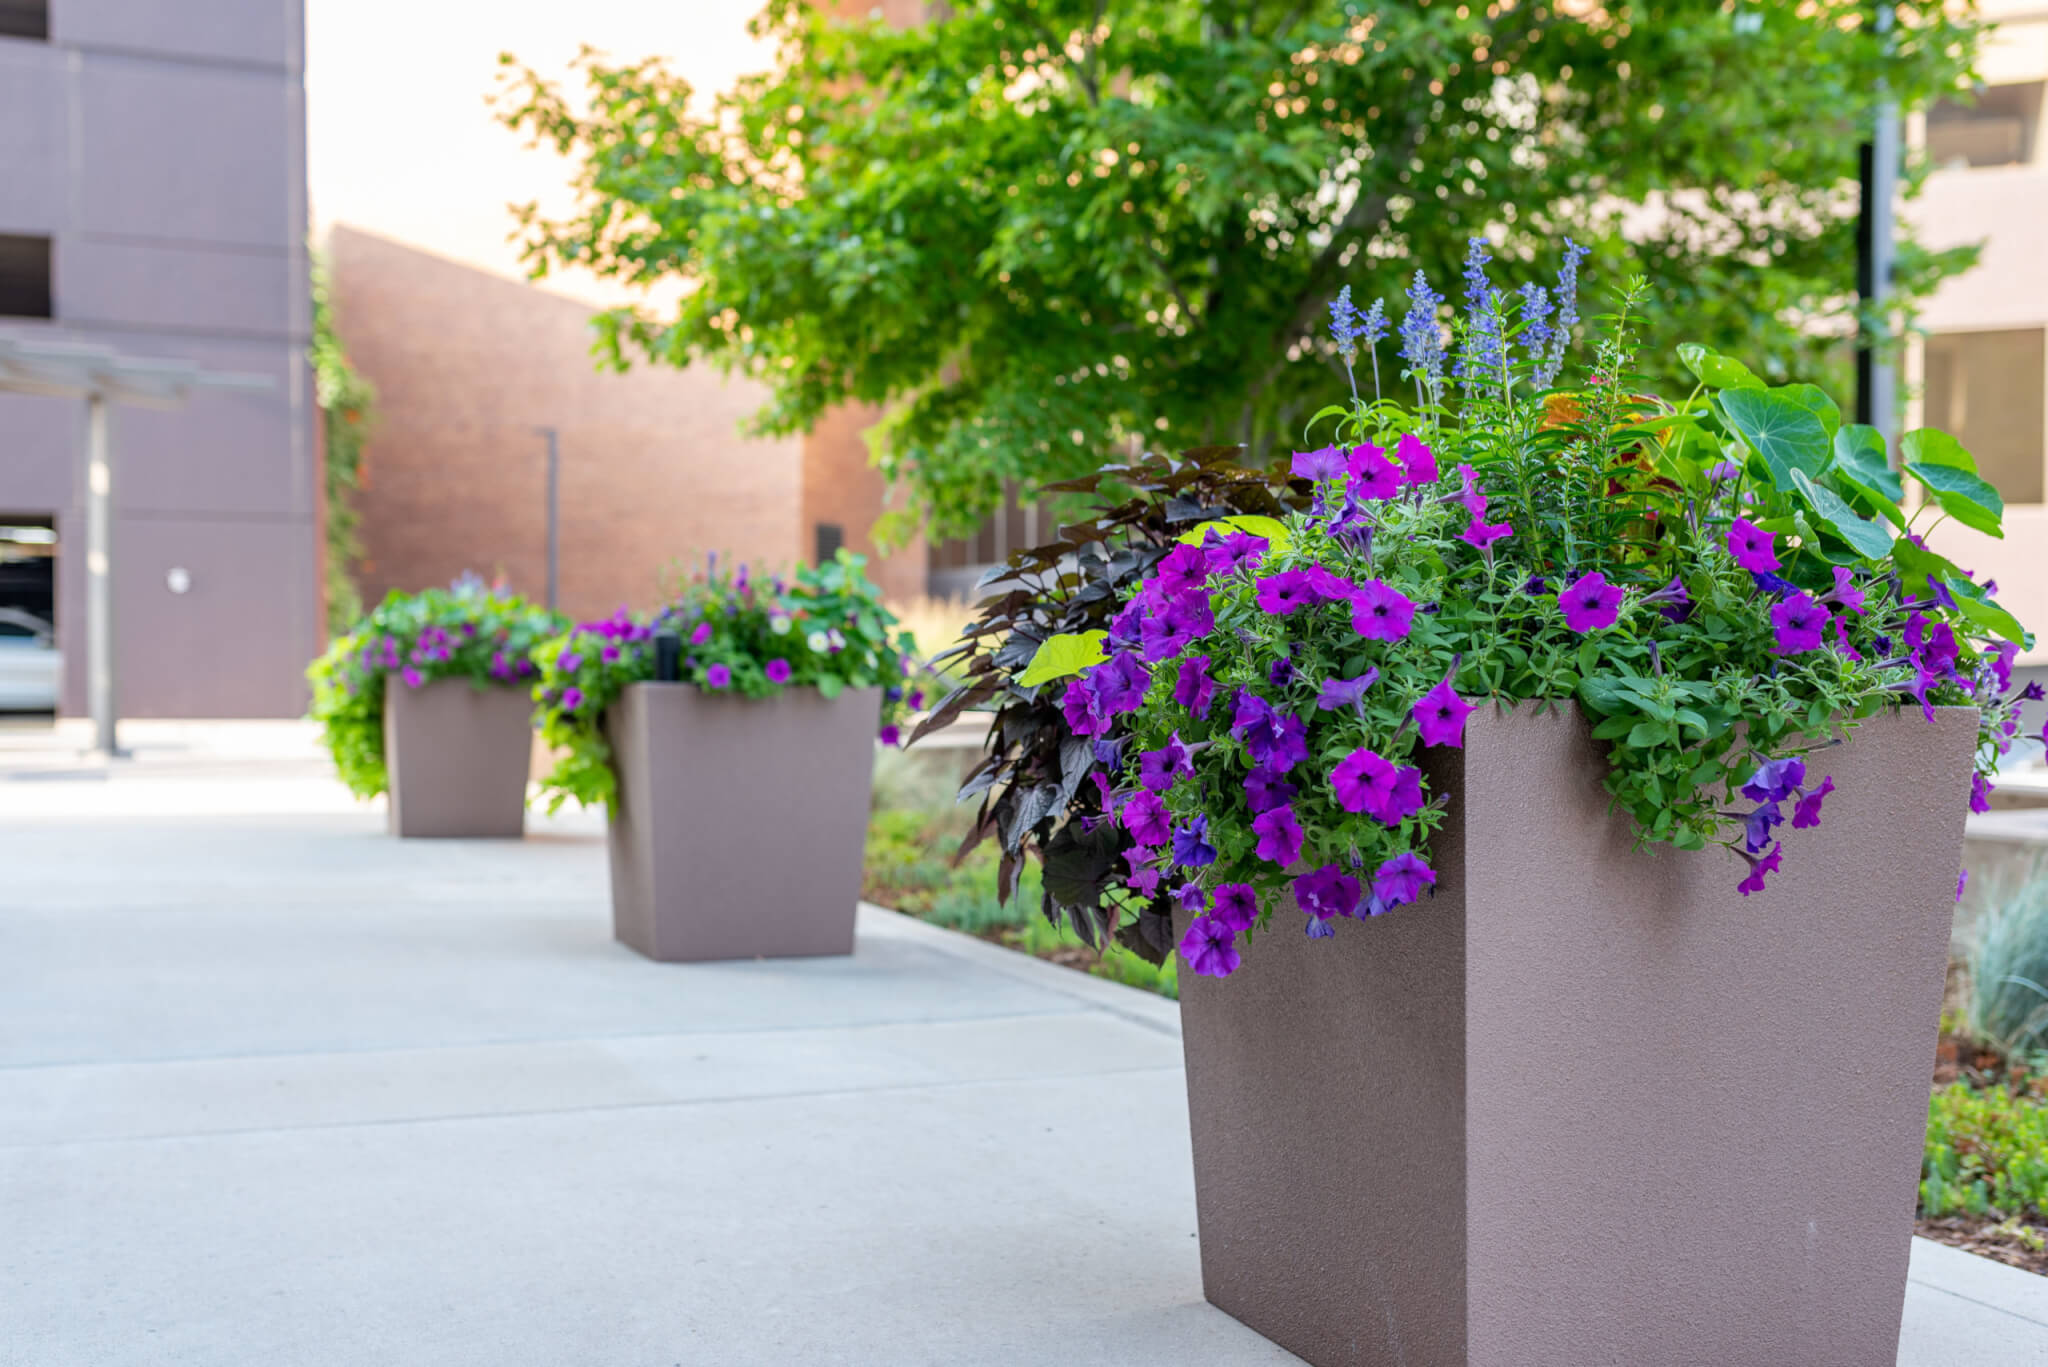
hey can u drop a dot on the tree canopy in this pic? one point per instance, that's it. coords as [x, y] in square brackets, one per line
[1041, 232]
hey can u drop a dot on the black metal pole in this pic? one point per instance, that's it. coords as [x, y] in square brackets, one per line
[1876, 253]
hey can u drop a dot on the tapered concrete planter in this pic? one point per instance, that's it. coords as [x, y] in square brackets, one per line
[739, 824]
[1588, 1106]
[457, 756]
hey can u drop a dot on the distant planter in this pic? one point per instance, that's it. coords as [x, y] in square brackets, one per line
[1589, 1104]
[738, 824]
[458, 754]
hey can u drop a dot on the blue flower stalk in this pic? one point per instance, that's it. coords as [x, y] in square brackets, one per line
[1422, 339]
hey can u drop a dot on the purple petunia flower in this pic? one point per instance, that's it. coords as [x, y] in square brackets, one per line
[413, 678]
[1418, 462]
[1440, 715]
[778, 671]
[1327, 463]
[1226, 553]
[1144, 816]
[1806, 812]
[1119, 685]
[1274, 739]
[568, 662]
[1329, 587]
[1722, 470]
[1962, 881]
[1469, 493]
[1286, 592]
[1407, 796]
[701, 634]
[1210, 947]
[1775, 779]
[1281, 672]
[1482, 534]
[1184, 569]
[1237, 906]
[718, 676]
[1373, 476]
[1799, 622]
[1265, 789]
[1752, 546]
[1084, 713]
[1191, 896]
[1192, 687]
[1158, 769]
[1126, 628]
[1380, 612]
[1591, 603]
[1980, 793]
[1671, 600]
[1341, 693]
[1845, 594]
[1326, 892]
[1363, 780]
[1759, 868]
[1191, 847]
[1400, 881]
[572, 698]
[1279, 836]
[1166, 634]
[1756, 827]
[889, 735]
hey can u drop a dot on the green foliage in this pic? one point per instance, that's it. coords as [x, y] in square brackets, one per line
[468, 631]
[1040, 230]
[1986, 1153]
[824, 627]
[2006, 970]
[347, 402]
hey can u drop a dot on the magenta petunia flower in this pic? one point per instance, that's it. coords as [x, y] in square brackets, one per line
[1329, 588]
[1400, 881]
[1184, 568]
[1471, 495]
[1226, 553]
[1119, 684]
[1237, 906]
[1279, 835]
[1192, 687]
[1591, 603]
[1759, 868]
[1166, 634]
[1800, 623]
[1483, 534]
[413, 678]
[1265, 789]
[1806, 812]
[889, 735]
[1363, 781]
[1845, 594]
[1406, 798]
[1440, 715]
[572, 698]
[1775, 779]
[1373, 476]
[1286, 592]
[778, 671]
[1326, 892]
[1158, 769]
[1144, 816]
[1418, 462]
[1145, 882]
[701, 634]
[1752, 547]
[1980, 793]
[568, 662]
[1328, 463]
[718, 676]
[1210, 947]
[1380, 612]
[1085, 716]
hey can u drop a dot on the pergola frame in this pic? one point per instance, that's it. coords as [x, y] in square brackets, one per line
[103, 377]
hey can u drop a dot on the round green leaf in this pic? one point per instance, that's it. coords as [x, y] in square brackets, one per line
[1963, 496]
[1786, 433]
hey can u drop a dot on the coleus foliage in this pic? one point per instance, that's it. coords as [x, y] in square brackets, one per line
[1725, 583]
[1035, 797]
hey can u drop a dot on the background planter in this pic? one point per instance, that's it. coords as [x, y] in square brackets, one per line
[739, 823]
[1588, 1105]
[457, 758]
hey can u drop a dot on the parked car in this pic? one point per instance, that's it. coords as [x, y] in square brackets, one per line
[31, 670]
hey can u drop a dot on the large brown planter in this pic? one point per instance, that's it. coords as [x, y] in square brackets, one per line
[1589, 1106]
[456, 758]
[739, 824]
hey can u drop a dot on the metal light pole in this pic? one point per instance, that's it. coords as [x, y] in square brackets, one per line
[1877, 393]
[554, 511]
[99, 564]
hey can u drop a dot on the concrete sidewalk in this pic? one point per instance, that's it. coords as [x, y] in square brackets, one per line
[276, 1089]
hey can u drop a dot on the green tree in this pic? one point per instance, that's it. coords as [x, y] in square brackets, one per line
[1040, 231]
[346, 401]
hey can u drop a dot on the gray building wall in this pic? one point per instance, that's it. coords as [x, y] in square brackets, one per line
[161, 145]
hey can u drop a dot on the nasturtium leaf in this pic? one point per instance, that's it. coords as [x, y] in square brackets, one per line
[1975, 604]
[1963, 496]
[1271, 528]
[1930, 446]
[1916, 563]
[1815, 398]
[1787, 434]
[1060, 657]
[1862, 467]
[1715, 370]
[1870, 538]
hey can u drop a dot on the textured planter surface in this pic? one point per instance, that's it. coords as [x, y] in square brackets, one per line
[739, 824]
[457, 757]
[1587, 1105]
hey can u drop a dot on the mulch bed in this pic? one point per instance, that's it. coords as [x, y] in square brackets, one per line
[2003, 1243]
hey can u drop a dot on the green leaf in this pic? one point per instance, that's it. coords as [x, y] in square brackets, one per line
[1271, 528]
[1963, 496]
[1916, 563]
[1870, 539]
[1862, 465]
[1060, 657]
[1814, 398]
[1647, 734]
[1976, 605]
[1787, 434]
[1715, 370]
[1930, 446]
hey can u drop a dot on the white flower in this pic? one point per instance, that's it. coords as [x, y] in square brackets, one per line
[780, 625]
[818, 642]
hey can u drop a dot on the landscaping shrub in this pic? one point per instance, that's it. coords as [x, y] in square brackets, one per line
[2005, 1002]
[1986, 1152]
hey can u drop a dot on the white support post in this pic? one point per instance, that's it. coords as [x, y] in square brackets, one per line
[99, 563]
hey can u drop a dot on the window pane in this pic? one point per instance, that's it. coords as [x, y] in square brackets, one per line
[1987, 388]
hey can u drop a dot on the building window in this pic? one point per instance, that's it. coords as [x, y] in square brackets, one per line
[830, 537]
[24, 277]
[25, 19]
[1990, 389]
[1994, 127]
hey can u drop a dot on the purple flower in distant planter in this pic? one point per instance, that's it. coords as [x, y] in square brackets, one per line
[915, 700]
[1328, 463]
[568, 662]
[778, 671]
[1191, 847]
[610, 654]
[1373, 476]
[1591, 603]
[1980, 793]
[1380, 612]
[1326, 892]
[1279, 836]
[1756, 827]
[1775, 779]
[1237, 906]
[1759, 869]
[1159, 768]
[1363, 780]
[1418, 462]
[1286, 592]
[1340, 693]
[1440, 715]
[1806, 812]
[1084, 714]
[1192, 687]
[701, 634]
[1210, 948]
[1264, 790]
[413, 678]
[1800, 623]
[1723, 470]
[1752, 546]
[718, 676]
[572, 698]
[1144, 816]
[889, 735]
[1400, 881]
